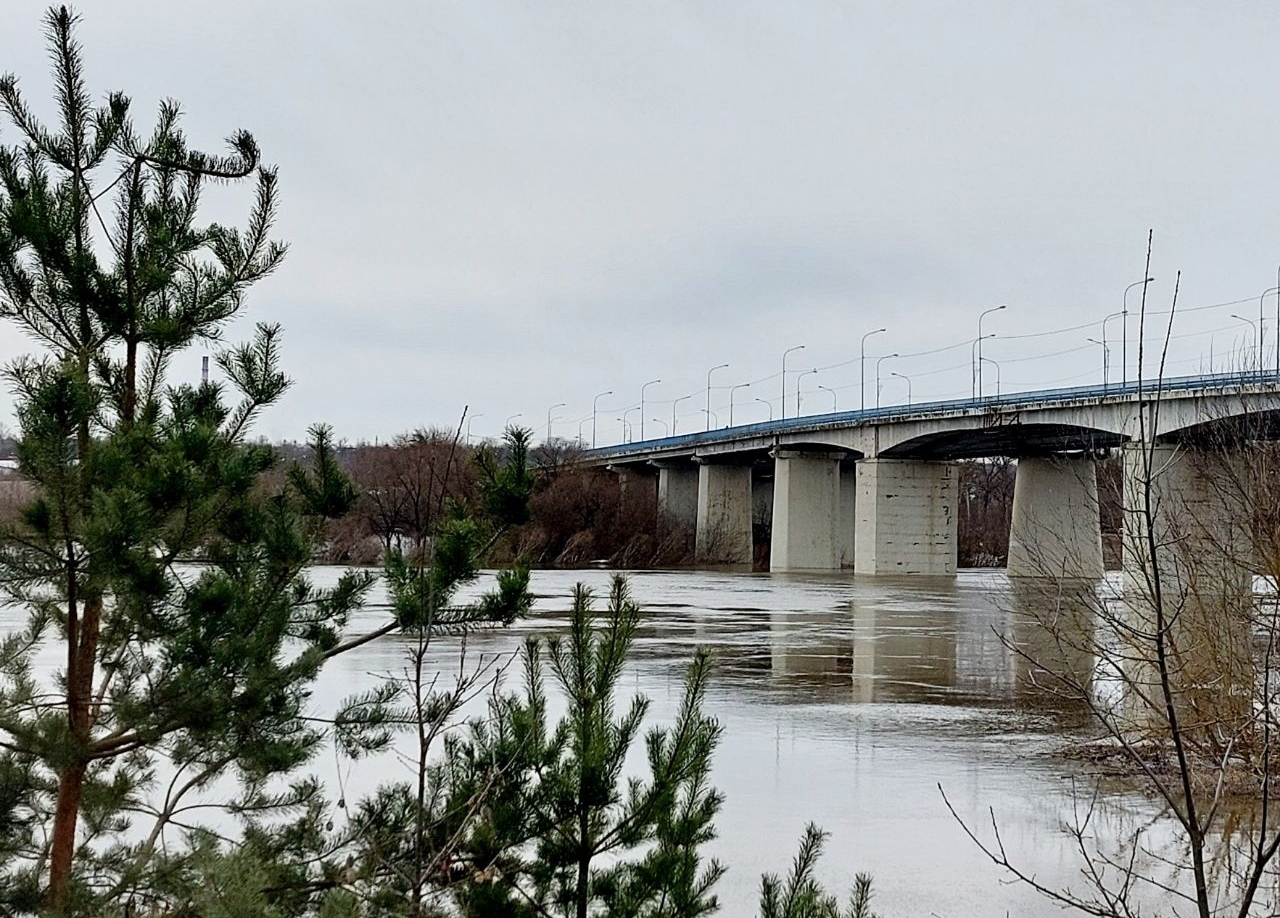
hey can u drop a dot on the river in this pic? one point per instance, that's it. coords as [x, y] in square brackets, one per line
[847, 702]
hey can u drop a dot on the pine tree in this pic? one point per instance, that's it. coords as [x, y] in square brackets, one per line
[171, 580]
[403, 841]
[112, 279]
[563, 832]
[802, 896]
[154, 557]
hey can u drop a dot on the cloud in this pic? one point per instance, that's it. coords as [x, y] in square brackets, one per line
[512, 204]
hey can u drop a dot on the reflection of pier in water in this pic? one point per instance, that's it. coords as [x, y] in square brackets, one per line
[910, 644]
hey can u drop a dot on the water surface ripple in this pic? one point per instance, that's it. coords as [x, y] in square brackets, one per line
[847, 702]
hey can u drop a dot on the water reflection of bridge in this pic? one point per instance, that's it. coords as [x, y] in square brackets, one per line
[948, 643]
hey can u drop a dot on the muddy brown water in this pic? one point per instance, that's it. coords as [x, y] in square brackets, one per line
[846, 702]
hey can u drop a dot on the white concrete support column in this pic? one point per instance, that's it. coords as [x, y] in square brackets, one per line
[848, 511]
[906, 517]
[678, 494]
[806, 511]
[724, 514]
[1056, 531]
[1198, 512]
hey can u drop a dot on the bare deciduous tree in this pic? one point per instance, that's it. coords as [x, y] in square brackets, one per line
[1176, 672]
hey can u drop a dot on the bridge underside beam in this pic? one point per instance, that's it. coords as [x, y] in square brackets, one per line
[1056, 529]
[724, 514]
[906, 518]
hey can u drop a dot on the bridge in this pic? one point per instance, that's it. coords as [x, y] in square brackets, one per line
[876, 490]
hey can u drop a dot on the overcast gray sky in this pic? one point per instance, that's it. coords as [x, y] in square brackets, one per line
[509, 205]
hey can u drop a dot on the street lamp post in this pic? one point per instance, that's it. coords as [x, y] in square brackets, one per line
[507, 422]
[709, 372]
[665, 429]
[1124, 330]
[835, 402]
[880, 360]
[799, 378]
[767, 405]
[630, 427]
[982, 316]
[1257, 338]
[652, 382]
[674, 406]
[997, 366]
[469, 420]
[711, 418]
[1261, 301]
[732, 390]
[973, 361]
[626, 429]
[1277, 292]
[1106, 381]
[592, 419]
[862, 368]
[908, 379]
[1106, 361]
[594, 407]
[550, 419]
[798, 347]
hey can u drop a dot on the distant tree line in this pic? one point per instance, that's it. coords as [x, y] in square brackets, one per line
[578, 516]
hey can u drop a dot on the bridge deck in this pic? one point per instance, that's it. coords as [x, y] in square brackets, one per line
[1144, 390]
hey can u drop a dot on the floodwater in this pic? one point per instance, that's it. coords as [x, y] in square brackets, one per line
[850, 703]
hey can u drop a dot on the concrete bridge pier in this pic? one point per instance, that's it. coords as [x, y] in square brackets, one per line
[806, 511]
[762, 500]
[906, 517]
[724, 513]
[1198, 515]
[678, 493]
[636, 484]
[1056, 530]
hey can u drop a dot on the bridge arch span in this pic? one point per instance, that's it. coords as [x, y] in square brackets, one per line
[1226, 429]
[824, 445]
[1014, 440]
